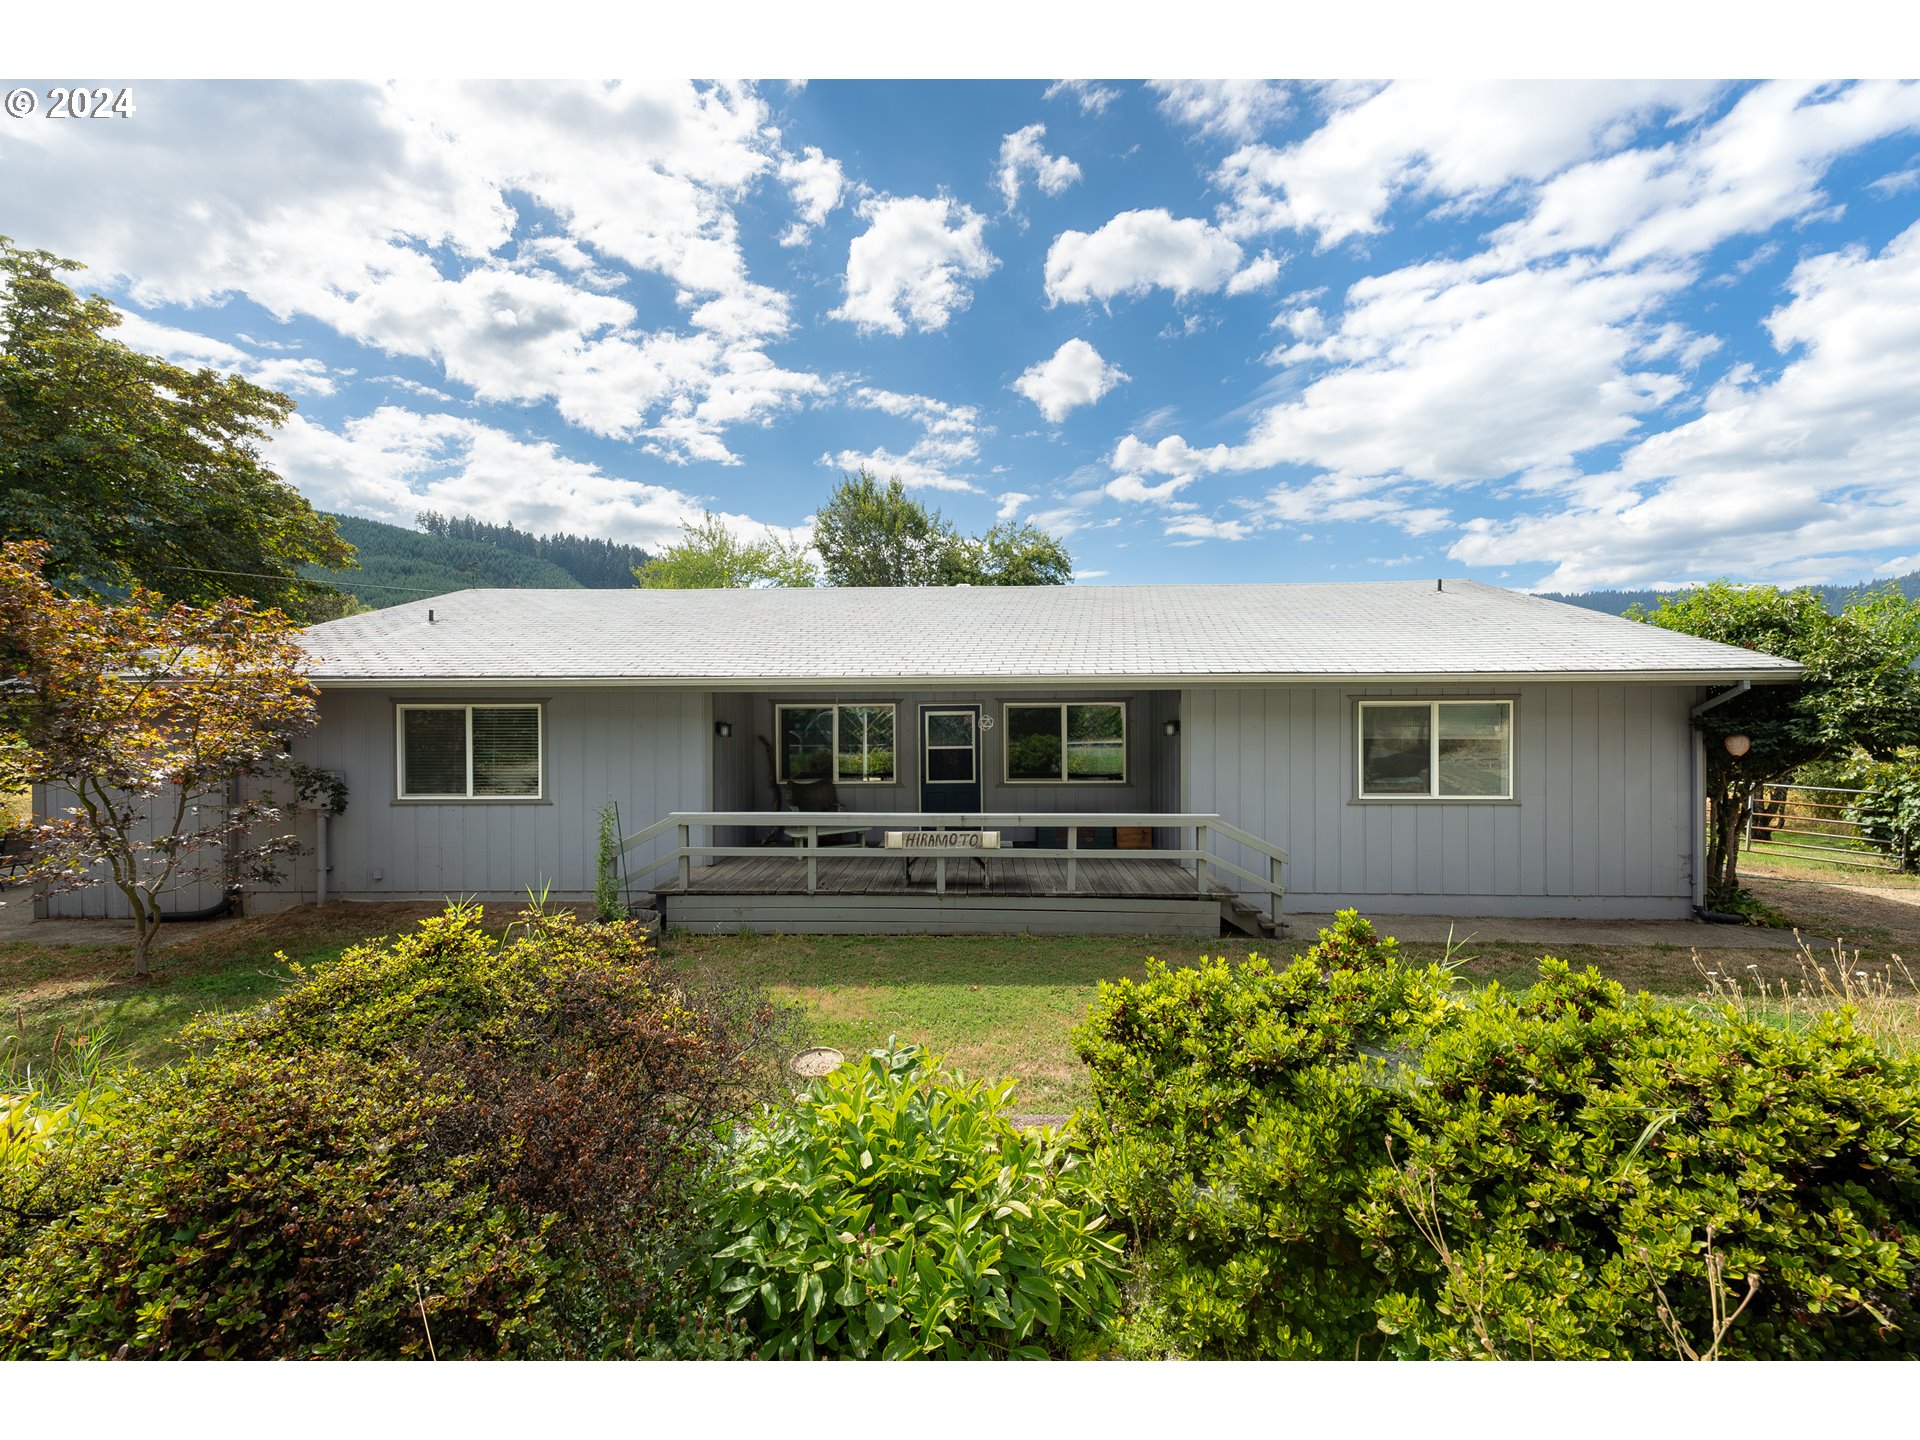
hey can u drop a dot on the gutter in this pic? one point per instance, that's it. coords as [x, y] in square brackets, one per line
[1698, 789]
[1006, 679]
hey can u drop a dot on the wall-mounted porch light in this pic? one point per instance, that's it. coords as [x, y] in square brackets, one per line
[723, 728]
[1738, 745]
[1171, 728]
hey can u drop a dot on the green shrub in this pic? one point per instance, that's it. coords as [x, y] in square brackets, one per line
[893, 1211]
[1347, 1158]
[443, 1145]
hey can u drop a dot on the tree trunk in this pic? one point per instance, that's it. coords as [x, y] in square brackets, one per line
[146, 925]
[1731, 806]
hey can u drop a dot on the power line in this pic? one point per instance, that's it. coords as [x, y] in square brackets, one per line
[255, 575]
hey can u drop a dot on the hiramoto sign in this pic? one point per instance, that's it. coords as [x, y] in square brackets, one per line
[943, 840]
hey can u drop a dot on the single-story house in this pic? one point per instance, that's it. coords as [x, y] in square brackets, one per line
[1407, 747]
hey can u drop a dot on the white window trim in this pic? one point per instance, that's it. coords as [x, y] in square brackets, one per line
[539, 750]
[971, 748]
[1432, 794]
[836, 706]
[1007, 707]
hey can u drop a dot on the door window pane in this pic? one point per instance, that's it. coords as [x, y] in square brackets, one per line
[1475, 743]
[949, 727]
[506, 750]
[1096, 742]
[1033, 743]
[434, 758]
[1396, 755]
[949, 765]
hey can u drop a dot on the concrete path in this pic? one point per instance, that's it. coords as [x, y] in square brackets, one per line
[17, 925]
[1547, 934]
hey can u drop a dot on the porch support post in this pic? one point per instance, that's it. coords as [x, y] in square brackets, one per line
[1200, 862]
[1073, 865]
[940, 875]
[686, 860]
[813, 859]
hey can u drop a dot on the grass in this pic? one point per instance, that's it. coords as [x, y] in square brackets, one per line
[53, 991]
[1775, 863]
[995, 1006]
[15, 808]
[1003, 1005]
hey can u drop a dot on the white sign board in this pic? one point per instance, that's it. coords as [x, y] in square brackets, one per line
[934, 841]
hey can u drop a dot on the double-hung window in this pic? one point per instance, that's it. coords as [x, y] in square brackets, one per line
[1436, 750]
[846, 744]
[1062, 743]
[469, 752]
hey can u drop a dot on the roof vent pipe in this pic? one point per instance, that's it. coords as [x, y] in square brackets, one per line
[429, 617]
[1439, 585]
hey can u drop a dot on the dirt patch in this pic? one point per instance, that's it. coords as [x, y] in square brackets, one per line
[1879, 920]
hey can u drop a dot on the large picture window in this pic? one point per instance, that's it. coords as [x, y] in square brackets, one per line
[846, 744]
[1066, 743]
[469, 752]
[1436, 749]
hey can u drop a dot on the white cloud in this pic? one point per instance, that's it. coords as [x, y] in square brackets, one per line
[1256, 275]
[1133, 489]
[1021, 153]
[298, 376]
[1092, 97]
[816, 182]
[1233, 109]
[1010, 504]
[1136, 251]
[1792, 478]
[1445, 377]
[910, 265]
[1757, 165]
[1896, 182]
[1202, 527]
[394, 463]
[1073, 375]
[1461, 140]
[389, 213]
[948, 442]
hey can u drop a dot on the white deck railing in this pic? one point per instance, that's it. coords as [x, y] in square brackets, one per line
[1198, 833]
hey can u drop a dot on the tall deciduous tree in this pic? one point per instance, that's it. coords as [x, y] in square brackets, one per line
[149, 716]
[1860, 689]
[873, 534]
[137, 471]
[709, 556]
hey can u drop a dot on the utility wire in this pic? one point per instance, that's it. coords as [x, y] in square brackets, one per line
[255, 575]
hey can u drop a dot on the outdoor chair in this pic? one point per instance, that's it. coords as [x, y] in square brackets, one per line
[816, 796]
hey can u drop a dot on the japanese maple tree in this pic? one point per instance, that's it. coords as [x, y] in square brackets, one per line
[145, 719]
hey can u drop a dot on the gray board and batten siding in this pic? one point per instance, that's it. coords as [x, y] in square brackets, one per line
[1600, 823]
[1261, 681]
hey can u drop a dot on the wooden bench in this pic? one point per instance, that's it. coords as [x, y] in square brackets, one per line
[934, 844]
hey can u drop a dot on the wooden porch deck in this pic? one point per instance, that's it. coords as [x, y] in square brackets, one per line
[1007, 873]
[1012, 894]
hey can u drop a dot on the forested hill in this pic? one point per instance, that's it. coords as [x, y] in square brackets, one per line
[596, 564]
[398, 565]
[1617, 602]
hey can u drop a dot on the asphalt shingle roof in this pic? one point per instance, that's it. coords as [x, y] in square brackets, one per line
[1395, 629]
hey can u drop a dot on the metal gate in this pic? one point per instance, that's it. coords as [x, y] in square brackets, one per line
[1812, 823]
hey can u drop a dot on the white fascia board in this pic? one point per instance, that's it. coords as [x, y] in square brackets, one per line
[1091, 682]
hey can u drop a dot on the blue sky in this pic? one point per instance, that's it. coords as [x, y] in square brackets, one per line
[1552, 335]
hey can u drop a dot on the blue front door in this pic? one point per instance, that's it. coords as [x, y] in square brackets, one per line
[949, 758]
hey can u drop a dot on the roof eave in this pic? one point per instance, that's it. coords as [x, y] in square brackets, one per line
[1758, 675]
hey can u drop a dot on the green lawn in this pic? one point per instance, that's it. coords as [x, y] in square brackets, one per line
[994, 1006]
[999, 1006]
[48, 991]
